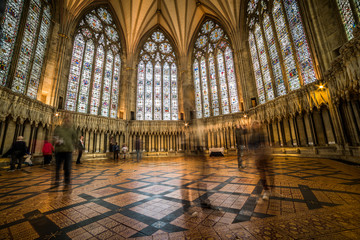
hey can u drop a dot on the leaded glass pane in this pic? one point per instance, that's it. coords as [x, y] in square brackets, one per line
[229, 61]
[207, 27]
[205, 88]
[174, 95]
[347, 17]
[158, 36]
[300, 42]
[256, 67]
[105, 103]
[39, 54]
[94, 22]
[74, 76]
[264, 63]
[252, 5]
[9, 27]
[104, 15]
[213, 86]
[112, 33]
[166, 92]
[140, 91]
[274, 56]
[86, 77]
[115, 87]
[223, 83]
[97, 80]
[149, 91]
[198, 104]
[216, 35]
[157, 92]
[285, 45]
[357, 5]
[27, 48]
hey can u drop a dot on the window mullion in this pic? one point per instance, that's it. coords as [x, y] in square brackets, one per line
[15, 57]
[162, 92]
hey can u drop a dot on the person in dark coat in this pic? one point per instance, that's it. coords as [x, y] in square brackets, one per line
[81, 148]
[240, 134]
[138, 149]
[18, 152]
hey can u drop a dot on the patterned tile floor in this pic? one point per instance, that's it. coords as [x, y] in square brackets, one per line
[160, 198]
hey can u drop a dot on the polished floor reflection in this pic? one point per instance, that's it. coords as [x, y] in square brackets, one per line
[183, 198]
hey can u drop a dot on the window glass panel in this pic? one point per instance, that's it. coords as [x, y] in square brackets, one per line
[140, 91]
[9, 27]
[86, 77]
[357, 4]
[115, 87]
[274, 57]
[97, 80]
[256, 67]
[148, 91]
[166, 90]
[285, 44]
[264, 63]
[234, 103]
[204, 84]
[174, 96]
[74, 76]
[300, 42]
[157, 92]
[347, 16]
[39, 54]
[213, 86]
[27, 47]
[223, 84]
[107, 84]
[197, 89]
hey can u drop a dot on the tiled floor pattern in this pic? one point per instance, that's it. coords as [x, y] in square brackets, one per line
[163, 198]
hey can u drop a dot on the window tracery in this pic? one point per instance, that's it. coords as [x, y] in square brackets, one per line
[157, 89]
[35, 33]
[214, 73]
[277, 37]
[347, 8]
[94, 78]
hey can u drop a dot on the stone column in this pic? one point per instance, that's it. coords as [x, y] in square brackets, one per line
[102, 142]
[294, 129]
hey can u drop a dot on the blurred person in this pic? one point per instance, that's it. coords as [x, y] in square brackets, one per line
[116, 150]
[47, 151]
[65, 139]
[124, 150]
[18, 151]
[138, 148]
[257, 145]
[240, 134]
[81, 148]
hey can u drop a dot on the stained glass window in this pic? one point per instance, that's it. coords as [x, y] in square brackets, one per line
[300, 42]
[97, 66]
[157, 93]
[347, 16]
[29, 60]
[285, 44]
[214, 74]
[9, 28]
[274, 57]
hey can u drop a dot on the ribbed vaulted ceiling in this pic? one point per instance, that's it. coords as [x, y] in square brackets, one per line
[178, 17]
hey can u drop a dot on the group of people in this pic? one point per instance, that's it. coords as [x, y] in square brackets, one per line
[124, 150]
[252, 140]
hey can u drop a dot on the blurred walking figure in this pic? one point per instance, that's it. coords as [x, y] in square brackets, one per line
[138, 148]
[47, 151]
[18, 152]
[81, 148]
[116, 150]
[257, 145]
[240, 134]
[124, 150]
[64, 140]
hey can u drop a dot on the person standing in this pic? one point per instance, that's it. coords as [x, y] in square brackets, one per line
[124, 150]
[64, 141]
[116, 150]
[138, 149]
[18, 152]
[240, 133]
[47, 151]
[81, 148]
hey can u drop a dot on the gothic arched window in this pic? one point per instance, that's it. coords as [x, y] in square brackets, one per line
[157, 88]
[34, 16]
[350, 14]
[214, 73]
[93, 85]
[280, 54]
